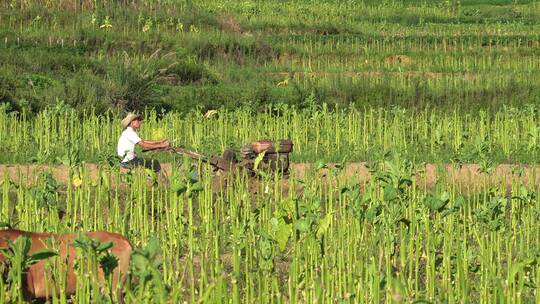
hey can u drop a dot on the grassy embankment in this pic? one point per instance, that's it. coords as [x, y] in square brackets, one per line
[103, 55]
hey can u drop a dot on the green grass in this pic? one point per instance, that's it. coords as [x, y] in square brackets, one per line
[233, 54]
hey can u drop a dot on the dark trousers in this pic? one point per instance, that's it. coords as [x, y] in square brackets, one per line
[151, 164]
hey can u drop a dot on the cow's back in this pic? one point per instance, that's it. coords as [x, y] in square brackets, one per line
[40, 241]
[37, 278]
[121, 248]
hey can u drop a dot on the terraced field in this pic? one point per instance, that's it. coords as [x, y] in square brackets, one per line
[178, 55]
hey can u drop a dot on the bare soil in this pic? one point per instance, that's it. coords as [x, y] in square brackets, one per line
[468, 176]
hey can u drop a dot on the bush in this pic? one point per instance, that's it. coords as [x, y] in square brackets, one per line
[187, 73]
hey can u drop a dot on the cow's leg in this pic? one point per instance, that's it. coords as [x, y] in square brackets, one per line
[122, 250]
[35, 282]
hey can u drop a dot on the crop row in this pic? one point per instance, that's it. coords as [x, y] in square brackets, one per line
[426, 135]
[387, 240]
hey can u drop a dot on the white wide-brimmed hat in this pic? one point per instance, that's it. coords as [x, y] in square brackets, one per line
[129, 118]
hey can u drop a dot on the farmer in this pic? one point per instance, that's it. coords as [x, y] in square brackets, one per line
[130, 138]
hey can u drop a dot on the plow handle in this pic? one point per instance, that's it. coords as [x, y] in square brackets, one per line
[192, 154]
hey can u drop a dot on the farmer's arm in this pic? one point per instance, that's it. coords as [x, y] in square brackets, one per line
[153, 144]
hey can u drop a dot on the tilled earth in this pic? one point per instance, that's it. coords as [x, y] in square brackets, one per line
[467, 177]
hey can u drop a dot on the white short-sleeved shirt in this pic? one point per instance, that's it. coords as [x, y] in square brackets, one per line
[126, 144]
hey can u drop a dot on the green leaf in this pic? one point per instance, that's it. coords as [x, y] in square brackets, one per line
[179, 189]
[196, 187]
[104, 246]
[320, 165]
[263, 174]
[445, 197]
[5, 225]
[390, 193]
[437, 203]
[518, 267]
[81, 243]
[140, 262]
[302, 225]
[42, 255]
[105, 179]
[344, 190]
[324, 225]
[258, 160]
[153, 247]
[24, 243]
[373, 212]
[283, 233]
[108, 263]
[266, 247]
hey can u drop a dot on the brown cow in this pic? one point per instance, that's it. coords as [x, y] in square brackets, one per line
[36, 285]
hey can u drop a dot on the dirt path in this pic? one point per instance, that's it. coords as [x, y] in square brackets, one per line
[466, 177]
